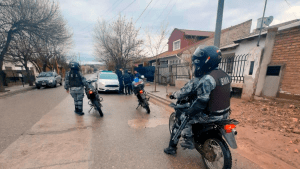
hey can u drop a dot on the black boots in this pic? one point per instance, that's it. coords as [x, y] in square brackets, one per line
[172, 146]
[79, 111]
[170, 150]
[188, 143]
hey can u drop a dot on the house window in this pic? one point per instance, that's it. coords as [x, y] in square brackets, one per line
[176, 45]
[229, 67]
[251, 68]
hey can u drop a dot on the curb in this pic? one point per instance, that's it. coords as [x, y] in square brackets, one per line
[160, 99]
[17, 91]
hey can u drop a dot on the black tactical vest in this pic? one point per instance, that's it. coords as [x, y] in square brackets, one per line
[220, 96]
[75, 79]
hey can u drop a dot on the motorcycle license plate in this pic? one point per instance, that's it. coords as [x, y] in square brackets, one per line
[43, 83]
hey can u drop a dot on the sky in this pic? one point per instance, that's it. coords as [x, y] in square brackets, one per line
[83, 15]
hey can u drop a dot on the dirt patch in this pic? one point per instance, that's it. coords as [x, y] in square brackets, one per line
[271, 125]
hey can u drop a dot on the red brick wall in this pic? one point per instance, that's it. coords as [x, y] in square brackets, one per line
[176, 34]
[287, 51]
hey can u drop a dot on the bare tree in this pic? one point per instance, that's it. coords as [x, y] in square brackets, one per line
[38, 18]
[156, 45]
[117, 42]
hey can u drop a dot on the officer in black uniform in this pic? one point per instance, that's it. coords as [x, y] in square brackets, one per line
[209, 92]
[75, 82]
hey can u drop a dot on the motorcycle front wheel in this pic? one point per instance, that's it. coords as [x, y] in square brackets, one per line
[147, 109]
[172, 122]
[217, 154]
[98, 107]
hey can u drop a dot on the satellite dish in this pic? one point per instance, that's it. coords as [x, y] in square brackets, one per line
[268, 20]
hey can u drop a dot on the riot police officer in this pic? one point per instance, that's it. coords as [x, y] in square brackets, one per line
[75, 82]
[209, 92]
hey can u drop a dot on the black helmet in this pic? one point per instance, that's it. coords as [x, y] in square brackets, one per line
[74, 65]
[206, 59]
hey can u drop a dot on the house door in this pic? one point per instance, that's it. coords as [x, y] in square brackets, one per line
[272, 81]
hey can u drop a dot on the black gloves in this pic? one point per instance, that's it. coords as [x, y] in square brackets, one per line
[172, 97]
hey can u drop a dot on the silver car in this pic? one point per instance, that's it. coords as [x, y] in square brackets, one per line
[50, 79]
[107, 82]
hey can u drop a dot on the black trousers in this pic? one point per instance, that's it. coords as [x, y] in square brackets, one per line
[128, 88]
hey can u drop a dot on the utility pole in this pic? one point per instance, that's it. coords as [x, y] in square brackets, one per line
[262, 21]
[219, 23]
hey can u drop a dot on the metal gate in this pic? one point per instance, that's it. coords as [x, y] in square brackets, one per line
[234, 66]
[167, 74]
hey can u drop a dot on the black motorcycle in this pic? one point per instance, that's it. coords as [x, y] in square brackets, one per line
[138, 89]
[93, 96]
[210, 139]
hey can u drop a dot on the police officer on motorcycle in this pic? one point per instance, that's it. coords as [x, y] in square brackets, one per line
[209, 94]
[75, 82]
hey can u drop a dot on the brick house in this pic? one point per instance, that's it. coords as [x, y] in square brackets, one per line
[285, 62]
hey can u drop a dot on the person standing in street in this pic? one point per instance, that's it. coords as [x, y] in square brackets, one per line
[74, 84]
[136, 74]
[127, 82]
[119, 73]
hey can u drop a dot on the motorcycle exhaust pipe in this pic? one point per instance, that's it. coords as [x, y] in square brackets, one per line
[234, 131]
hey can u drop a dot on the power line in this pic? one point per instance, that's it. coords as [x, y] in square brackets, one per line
[143, 11]
[290, 8]
[164, 9]
[123, 9]
[113, 5]
[170, 10]
[151, 8]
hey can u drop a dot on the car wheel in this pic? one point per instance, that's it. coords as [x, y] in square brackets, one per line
[55, 84]
[60, 83]
[38, 87]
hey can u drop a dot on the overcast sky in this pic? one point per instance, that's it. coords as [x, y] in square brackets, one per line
[82, 15]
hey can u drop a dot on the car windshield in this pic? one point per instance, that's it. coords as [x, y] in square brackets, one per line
[45, 74]
[108, 76]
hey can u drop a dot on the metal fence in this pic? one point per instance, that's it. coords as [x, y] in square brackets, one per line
[234, 66]
[168, 74]
[17, 77]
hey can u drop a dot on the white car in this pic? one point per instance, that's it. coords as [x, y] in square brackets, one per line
[107, 82]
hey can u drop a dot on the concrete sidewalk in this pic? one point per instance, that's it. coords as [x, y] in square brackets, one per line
[16, 89]
[162, 92]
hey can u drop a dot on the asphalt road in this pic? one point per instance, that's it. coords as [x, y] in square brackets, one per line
[21, 111]
[40, 129]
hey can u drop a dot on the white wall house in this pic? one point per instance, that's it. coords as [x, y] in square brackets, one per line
[12, 66]
[243, 61]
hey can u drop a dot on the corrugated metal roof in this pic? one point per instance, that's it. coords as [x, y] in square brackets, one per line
[197, 33]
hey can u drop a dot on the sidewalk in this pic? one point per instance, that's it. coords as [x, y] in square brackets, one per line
[162, 92]
[16, 89]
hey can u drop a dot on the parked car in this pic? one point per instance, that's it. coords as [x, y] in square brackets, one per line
[48, 79]
[107, 81]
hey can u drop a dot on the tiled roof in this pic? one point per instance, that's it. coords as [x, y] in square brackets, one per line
[196, 33]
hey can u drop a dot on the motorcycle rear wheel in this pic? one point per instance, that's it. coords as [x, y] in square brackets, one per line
[222, 158]
[97, 105]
